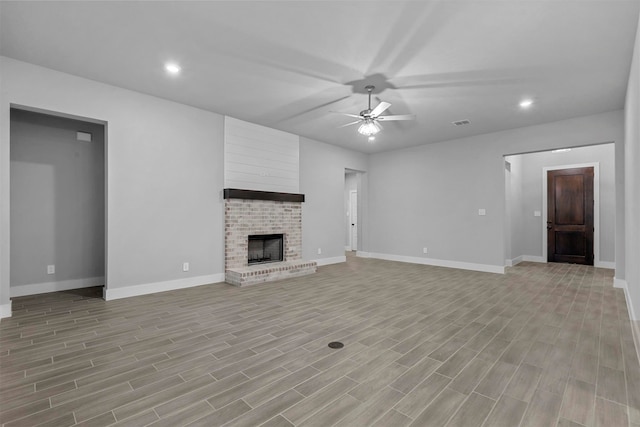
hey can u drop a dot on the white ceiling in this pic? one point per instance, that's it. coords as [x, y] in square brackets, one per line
[287, 64]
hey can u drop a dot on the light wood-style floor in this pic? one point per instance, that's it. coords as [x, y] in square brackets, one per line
[543, 345]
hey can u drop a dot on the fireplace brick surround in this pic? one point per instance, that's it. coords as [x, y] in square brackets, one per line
[249, 216]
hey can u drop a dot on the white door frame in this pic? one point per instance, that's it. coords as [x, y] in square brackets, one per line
[596, 209]
[353, 196]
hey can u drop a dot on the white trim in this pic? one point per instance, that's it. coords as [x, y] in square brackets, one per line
[152, 288]
[604, 264]
[347, 248]
[351, 221]
[5, 310]
[635, 322]
[334, 260]
[619, 283]
[487, 268]
[596, 206]
[534, 258]
[62, 285]
[635, 329]
[363, 254]
[512, 262]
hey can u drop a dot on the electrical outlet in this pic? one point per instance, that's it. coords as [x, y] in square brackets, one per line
[185, 266]
[482, 212]
[424, 250]
[319, 251]
[51, 269]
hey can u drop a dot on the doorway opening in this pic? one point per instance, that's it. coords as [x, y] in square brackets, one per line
[57, 203]
[527, 206]
[352, 181]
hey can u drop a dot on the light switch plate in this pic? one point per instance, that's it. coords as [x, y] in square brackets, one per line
[482, 212]
[537, 213]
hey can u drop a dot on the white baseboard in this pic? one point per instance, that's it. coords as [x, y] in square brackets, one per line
[635, 328]
[169, 285]
[363, 254]
[533, 258]
[635, 321]
[499, 269]
[333, 260]
[512, 262]
[605, 264]
[619, 283]
[347, 248]
[5, 310]
[63, 285]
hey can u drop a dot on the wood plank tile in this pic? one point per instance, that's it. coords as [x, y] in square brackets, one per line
[472, 412]
[578, 402]
[611, 385]
[563, 323]
[470, 376]
[496, 380]
[367, 413]
[332, 413]
[457, 362]
[223, 415]
[412, 377]
[317, 401]
[197, 394]
[524, 382]
[507, 412]
[610, 414]
[415, 402]
[279, 386]
[440, 410]
[377, 381]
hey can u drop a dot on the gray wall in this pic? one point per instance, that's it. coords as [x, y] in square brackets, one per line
[430, 195]
[164, 177]
[164, 182]
[632, 184]
[322, 169]
[57, 199]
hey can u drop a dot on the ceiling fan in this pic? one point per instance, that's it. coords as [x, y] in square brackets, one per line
[369, 119]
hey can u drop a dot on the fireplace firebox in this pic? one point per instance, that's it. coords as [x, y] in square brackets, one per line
[264, 248]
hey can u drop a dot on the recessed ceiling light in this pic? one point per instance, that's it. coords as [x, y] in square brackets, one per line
[561, 150]
[372, 138]
[526, 103]
[172, 68]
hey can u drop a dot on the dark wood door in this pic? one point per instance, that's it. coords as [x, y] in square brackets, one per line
[570, 215]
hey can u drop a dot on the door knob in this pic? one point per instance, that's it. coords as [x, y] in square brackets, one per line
[549, 227]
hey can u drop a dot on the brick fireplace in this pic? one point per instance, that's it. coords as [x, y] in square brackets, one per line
[250, 213]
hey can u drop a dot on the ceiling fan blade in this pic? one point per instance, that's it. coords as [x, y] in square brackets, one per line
[347, 114]
[397, 117]
[380, 109]
[349, 124]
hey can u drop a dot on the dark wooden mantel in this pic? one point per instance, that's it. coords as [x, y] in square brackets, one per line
[234, 193]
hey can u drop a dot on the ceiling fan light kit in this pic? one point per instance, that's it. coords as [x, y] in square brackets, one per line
[369, 128]
[369, 119]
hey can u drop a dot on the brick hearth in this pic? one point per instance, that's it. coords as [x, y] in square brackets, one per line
[247, 217]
